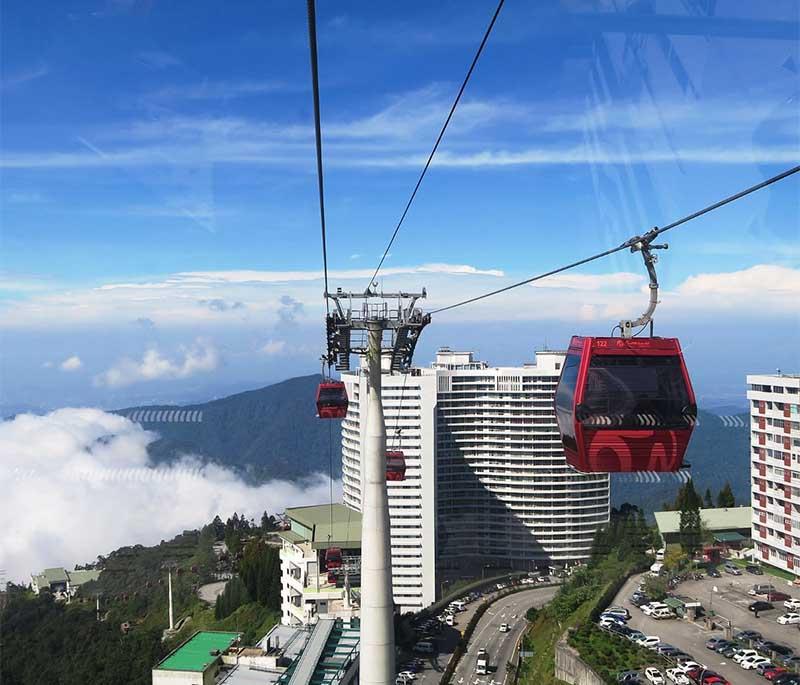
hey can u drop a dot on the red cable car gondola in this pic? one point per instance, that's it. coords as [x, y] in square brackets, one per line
[395, 466]
[333, 558]
[331, 400]
[625, 404]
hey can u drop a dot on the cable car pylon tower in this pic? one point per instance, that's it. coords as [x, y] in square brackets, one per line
[363, 330]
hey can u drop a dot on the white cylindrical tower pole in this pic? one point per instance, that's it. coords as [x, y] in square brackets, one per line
[377, 609]
[169, 584]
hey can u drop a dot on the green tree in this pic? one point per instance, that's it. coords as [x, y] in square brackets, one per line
[725, 498]
[690, 526]
[260, 570]
[709, 500]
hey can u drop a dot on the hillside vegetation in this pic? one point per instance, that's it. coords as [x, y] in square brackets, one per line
[124, 646]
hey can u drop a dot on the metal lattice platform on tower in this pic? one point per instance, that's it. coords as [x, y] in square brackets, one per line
[347, 326]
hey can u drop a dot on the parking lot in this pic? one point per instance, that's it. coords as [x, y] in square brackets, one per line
[731, 601]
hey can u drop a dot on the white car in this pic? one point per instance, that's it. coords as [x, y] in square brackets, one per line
[613, 617]
[792, 604]
[678, 677]
[407, 675]
[789, 619]
[504, 628]
[648, 609]
[654, 676]
[743, 654]
[649, 641]
[687, 666]
[750, 663]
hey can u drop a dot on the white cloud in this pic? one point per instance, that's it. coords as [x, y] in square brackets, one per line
[72, 363]
[66, 475]
[580, 154]
[273, 347]
[200, 357]
[766, 286]
[479, 135]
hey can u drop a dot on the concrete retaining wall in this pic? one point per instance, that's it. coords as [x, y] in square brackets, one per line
[571, 669]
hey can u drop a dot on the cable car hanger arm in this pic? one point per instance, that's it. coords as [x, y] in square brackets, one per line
[644, 245]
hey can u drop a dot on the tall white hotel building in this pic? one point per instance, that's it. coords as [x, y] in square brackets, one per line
[775, 468]
[486, 481]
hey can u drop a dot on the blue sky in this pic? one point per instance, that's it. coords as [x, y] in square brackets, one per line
[159, 212]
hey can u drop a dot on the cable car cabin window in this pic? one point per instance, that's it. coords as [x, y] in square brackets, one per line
[635, 392]
[329, 397]
[565, 400]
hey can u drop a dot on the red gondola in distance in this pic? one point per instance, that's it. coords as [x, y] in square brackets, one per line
[333, 558]
[625, 404]
[331, 400]
[395, 466]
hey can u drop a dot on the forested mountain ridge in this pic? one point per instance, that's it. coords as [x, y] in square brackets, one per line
[268, 433]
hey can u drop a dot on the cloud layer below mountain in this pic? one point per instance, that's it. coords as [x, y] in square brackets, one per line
[78, 483]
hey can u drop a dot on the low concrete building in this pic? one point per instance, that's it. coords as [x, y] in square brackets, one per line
[60, 582]
[309, 590]
[721, 523]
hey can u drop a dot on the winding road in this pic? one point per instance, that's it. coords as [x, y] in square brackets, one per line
[487, 635]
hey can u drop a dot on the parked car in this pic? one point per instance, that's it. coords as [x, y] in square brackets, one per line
[778, 596]
[787, 679]
[788, 619]
[732, 569]
[744, 654]
[649, 609]
[649, 641]
[654, 676]
[727, 644]
[635, 635]
[714, 641]
[755, 569]
[618, 611]
[688, 666]
[761, 589]
[774, 672]
[629, 678]
[678, 677]
[713, 572]
[750, 662]
[778, 648]
[748, 635]
[662, 613]
[792, 604]
[760, 605]
[730, 650]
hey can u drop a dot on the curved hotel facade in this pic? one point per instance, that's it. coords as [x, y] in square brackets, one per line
[486, 484]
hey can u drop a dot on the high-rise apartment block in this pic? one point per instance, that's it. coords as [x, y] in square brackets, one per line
[486, 483]
[775, 468]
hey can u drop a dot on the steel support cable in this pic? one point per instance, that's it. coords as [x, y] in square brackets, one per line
[628, 243]
[438, 140]
[312, 44]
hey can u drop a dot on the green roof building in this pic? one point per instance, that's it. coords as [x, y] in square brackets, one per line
[721, 523]
[195, 662]
[310, 590]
